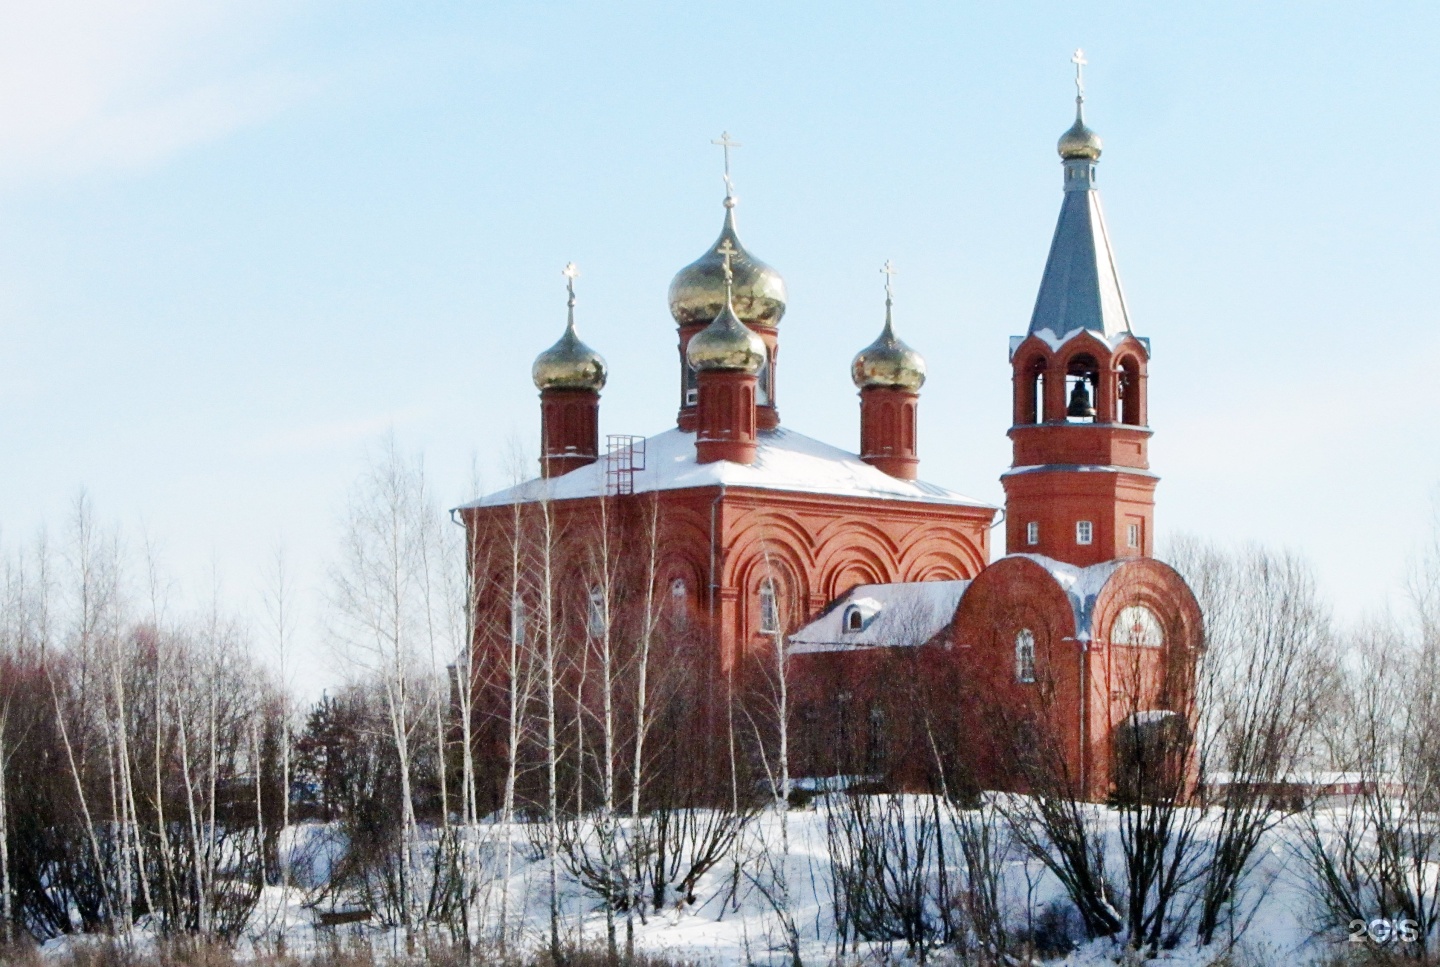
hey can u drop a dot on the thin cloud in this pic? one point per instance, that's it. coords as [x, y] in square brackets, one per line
[331, 434]
[89, 85]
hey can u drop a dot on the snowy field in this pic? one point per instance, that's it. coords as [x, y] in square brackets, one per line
[742, 906]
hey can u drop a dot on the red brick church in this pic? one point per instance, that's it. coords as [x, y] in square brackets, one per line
[750, 536]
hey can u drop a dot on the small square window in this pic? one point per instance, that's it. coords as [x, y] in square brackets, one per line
[1132, 535]
[1032, 532]
[1084, 532]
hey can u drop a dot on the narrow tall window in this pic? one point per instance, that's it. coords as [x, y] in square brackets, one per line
[679, 610]
[876, 746]
[517, 621]
[595, 618]
[1025, 656]
[1132, 535]
[769, 608]
[1084, 532]
[1032, 532]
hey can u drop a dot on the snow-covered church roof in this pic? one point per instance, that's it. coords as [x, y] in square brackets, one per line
[784, 460]
[900, 615]
[908, 614]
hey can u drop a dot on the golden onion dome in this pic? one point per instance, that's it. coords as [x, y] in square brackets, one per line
[888, 362]
[569, 364]
[728, 344]
[697, 293]
[1079, 142]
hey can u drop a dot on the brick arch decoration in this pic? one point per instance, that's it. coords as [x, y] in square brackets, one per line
[772, 531]
[939, 553]
[1159, 587]
[855, 551]
[787, 567]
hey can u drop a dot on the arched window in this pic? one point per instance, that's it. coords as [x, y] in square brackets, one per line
[1025, 656]
[769, 608]
[595, 614]
[679, 607]
[763, 385]
[854, 619]
[517, 621]
[1137, 625]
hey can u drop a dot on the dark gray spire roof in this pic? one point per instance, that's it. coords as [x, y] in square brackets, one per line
[1081, 286]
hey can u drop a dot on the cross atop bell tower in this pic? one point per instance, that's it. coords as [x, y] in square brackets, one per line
[1080, 488]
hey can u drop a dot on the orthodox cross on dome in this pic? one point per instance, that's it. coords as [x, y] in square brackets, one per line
[890, 272]
[570, 272]
[725, 145]
[727, 251]
[1078, 59]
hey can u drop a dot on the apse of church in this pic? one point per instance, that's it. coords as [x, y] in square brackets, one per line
[748, 541]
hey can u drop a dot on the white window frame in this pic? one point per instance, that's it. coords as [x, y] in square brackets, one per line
[595, 613]
[1025, 656]
[769, 608]
[1132, 535]
[517, 621]
[1084, 532]
[1032, 533]
[679, 607]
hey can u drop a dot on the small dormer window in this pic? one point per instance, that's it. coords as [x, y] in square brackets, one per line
[859, 614]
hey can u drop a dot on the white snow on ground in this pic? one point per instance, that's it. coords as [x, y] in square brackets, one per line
[735, 925]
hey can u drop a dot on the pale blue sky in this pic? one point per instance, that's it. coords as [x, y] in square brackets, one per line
[240, 240]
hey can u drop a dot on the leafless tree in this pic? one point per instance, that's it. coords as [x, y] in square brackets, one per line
[1263, 679]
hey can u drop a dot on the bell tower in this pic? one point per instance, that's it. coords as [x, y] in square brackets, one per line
[1079, 488]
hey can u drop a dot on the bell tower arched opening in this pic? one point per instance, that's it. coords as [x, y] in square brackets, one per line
[1132, 392]
[1030, 391]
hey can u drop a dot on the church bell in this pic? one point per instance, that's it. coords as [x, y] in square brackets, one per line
[1080, 405]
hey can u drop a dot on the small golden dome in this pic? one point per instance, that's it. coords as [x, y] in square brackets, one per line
[697, 293]
[727, 343]
[888, 362]
[569, 364]
[1079, 142]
